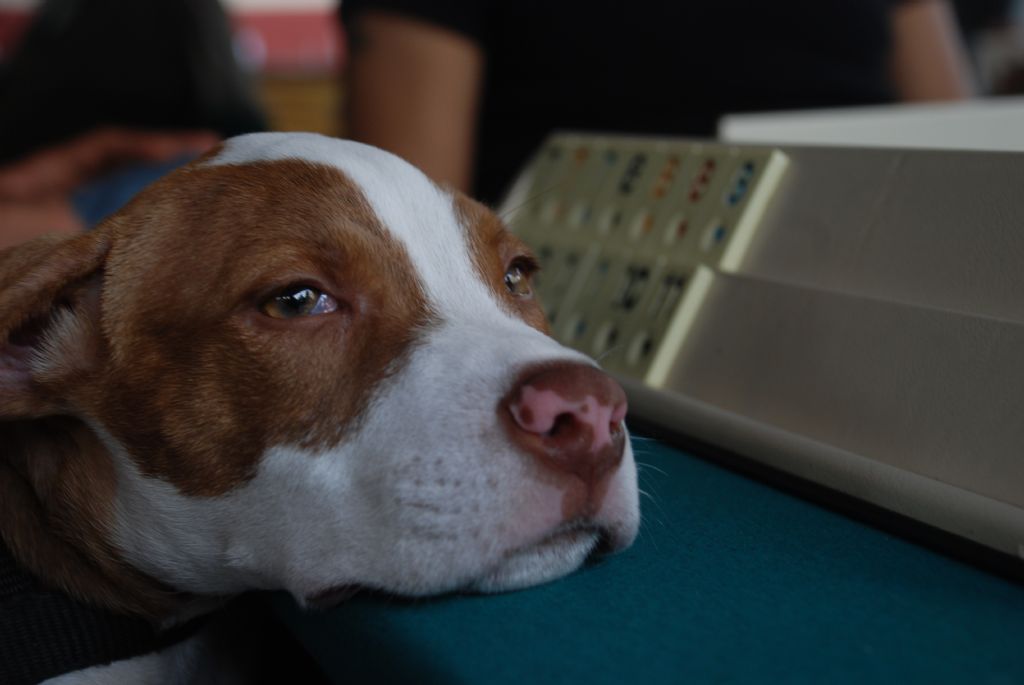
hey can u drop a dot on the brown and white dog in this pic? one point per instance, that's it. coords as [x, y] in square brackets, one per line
[297, 363]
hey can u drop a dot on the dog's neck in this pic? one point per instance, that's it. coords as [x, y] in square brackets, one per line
[56, 482]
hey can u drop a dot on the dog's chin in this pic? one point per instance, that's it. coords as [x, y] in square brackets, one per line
[553, 557]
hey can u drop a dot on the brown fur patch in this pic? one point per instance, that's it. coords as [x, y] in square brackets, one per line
[33, 274]
[493, 248]
[34, 277]
[210, 382]
[56, 480]
[173, 356]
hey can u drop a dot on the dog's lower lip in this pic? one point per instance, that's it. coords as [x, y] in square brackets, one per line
[332, 596]
[552, 556]
[564, 536]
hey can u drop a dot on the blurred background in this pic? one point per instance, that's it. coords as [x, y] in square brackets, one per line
[295, 52]
[100, 97]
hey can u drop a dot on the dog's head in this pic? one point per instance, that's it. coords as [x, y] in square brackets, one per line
[307, 366]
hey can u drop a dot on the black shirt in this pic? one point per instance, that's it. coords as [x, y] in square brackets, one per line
[158, 64]
[45, 633]
[669, 67]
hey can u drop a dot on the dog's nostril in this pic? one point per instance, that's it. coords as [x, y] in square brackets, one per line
[562, 423]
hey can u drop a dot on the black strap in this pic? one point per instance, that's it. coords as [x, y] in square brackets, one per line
[44, 633]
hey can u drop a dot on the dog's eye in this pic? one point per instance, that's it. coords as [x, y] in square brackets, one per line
[517, 278]
[299, 300]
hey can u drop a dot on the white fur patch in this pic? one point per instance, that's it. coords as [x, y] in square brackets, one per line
[414, 209]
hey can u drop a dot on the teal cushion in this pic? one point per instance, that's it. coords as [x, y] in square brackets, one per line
[729, 581]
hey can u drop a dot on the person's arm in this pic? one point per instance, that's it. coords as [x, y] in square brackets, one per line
[928, 60]
[35, 192]
[414, 89]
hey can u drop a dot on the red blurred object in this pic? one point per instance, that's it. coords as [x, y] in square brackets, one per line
[12, 25]
[290, 42]
[310, 41]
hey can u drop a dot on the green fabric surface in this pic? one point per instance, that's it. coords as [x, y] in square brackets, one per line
[729, 581]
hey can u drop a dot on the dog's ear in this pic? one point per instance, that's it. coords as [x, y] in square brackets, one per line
[49, 316]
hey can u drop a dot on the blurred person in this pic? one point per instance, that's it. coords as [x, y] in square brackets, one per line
[994, 33]
[467, 89]
[70, 186]
[976, 16]
[102, 97]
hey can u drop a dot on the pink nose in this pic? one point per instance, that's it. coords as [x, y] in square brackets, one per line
[569, 416]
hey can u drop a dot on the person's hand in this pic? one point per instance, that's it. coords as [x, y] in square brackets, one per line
[60, 169]
[35, 191]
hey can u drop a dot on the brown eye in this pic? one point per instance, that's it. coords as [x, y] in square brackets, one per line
[517, 278]
[298, 300]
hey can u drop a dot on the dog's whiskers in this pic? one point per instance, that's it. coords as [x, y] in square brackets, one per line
[650, 467]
